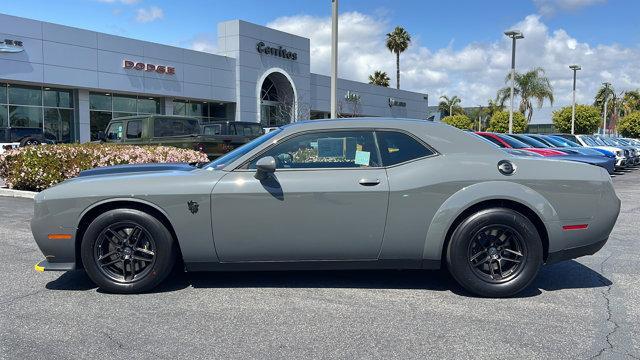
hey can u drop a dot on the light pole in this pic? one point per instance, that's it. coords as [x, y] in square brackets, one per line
[606, 100]
[514, 35]
[479, 116]
[575, 68]
[334, 59]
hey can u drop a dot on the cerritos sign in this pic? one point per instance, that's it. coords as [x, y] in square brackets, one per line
[276, 51]
[160, 69]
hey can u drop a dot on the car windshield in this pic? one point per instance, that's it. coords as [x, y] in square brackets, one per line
[232, 156]
[593, 141]
[516, 144]
[608, 142]
[531, 141]
[623, 142]
[560, 140]
[555, 142]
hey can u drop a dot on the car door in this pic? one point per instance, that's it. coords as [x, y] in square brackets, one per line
[327, 200]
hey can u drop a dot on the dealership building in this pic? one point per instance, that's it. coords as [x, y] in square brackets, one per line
[70, 82]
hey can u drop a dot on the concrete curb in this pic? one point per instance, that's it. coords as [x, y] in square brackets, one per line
[17, 193]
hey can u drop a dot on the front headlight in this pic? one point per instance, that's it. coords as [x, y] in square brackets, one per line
[618, 153]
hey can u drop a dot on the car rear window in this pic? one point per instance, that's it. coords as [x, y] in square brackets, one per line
[514, 143]
[165, 127]
[396, 147]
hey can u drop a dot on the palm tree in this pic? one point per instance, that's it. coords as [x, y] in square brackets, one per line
[631, 102]
[398, 41]
[532, 85]
[450, 106]
[379, 78]
[614, 103]
[494, 106]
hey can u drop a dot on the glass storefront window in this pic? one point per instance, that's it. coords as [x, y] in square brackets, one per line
[57, 98]
[3, 93]
[25, 95]
[98, 121]
[25, 116]
[195, 109]
[205, 111]
[4, 116]
[148, 106]
[100, 101]
[58, 124]
[124, 103]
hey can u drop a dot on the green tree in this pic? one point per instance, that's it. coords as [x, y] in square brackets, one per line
[629, 126]
[587, 119]
[500, 122]
[379, 78]
[397, 42]
[530, 86]
[459, 121]
[630, 102]
[614, 103]
[494, 106]
[450, 106]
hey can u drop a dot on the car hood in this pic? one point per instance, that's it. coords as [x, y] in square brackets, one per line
[136, 168]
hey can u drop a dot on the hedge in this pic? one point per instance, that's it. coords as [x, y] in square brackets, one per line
[629, 126]
[36, 168]
[499, 122]
[460, 121]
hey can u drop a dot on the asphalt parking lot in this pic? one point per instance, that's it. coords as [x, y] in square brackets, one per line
[576, 309]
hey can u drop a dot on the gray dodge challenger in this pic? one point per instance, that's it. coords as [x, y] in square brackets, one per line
[368, 193]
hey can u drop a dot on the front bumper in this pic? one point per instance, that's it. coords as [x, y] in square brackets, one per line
[572, 253]
[45, 265]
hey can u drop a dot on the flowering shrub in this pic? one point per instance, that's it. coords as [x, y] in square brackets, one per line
[39, 167]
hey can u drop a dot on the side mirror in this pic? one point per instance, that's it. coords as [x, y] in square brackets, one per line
[102, 136]
[264, 167]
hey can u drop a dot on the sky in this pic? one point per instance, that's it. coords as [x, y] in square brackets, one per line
[458, 46]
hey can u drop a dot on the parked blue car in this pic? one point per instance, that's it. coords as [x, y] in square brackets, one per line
[564, 145]
[572, 155]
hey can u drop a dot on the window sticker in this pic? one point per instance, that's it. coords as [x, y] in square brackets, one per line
[363, 158]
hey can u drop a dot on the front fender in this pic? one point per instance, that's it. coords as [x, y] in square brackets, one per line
[471, 195]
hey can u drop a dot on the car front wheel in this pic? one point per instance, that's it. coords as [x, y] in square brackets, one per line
[495, 252]
[127, 251]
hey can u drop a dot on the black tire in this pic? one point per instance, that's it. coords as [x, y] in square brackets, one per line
[110, 229]
[29, 141]
[482, 254]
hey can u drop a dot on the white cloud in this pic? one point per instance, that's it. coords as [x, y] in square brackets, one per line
[550, 7]
[204, 42]
[474, 72]
[152, 13]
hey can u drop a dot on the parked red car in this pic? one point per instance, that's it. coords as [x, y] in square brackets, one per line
[508, 142]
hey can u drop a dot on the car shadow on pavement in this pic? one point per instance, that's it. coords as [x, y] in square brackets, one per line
[564, 275]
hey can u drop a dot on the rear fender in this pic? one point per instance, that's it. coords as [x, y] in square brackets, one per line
[474, 194]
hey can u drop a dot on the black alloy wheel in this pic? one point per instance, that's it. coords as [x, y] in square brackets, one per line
[127, 251]
[495, 252]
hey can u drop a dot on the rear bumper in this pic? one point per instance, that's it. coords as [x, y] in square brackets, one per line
[45, 265]
[572, 253]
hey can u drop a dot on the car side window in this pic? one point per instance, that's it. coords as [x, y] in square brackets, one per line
[115, 131]
[397, 147]
[134, 129]
[165, 127]
[327, 149]
[215, 129]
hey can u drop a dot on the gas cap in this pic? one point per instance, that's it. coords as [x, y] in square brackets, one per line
[506, 167]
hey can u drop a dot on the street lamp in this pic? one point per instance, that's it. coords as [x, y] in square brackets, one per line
[514, 35]
[606, 100]
[334, 59]
[575, 68]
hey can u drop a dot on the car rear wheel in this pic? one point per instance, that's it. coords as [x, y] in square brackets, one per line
[127, 251]
[495, 252]
[29, 141]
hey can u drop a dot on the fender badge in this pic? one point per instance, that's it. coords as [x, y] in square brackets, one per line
[506, 167]
[193, 206]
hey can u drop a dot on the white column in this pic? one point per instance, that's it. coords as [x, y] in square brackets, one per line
[84, 129]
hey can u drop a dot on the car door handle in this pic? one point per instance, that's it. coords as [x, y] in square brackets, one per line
[369, 182]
